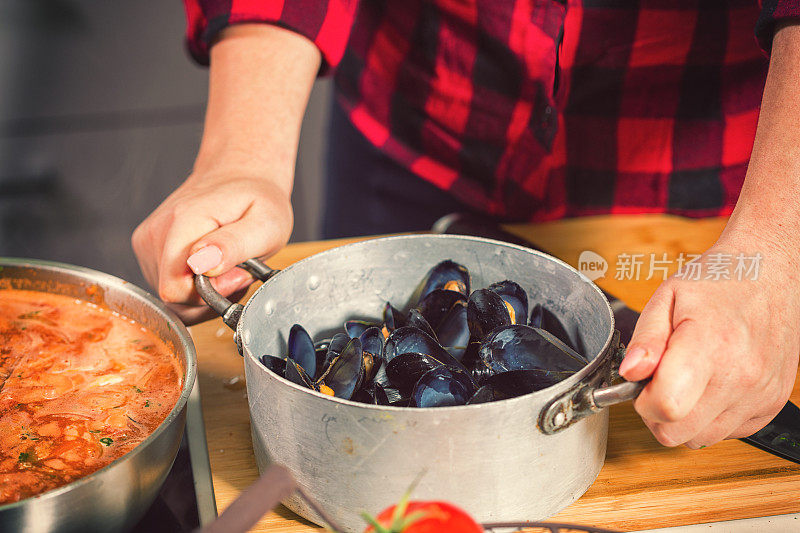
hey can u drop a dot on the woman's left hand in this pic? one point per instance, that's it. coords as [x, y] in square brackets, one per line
[722, 353]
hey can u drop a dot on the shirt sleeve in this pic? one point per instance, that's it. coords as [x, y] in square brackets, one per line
[772, 12]
[327, 23]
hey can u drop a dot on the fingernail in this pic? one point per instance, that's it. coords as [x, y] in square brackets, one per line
[205, 259]
[632, 358]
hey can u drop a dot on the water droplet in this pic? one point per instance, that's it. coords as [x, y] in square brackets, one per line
[269, 307]
[313, 283]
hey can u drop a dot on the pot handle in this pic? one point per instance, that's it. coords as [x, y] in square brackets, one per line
[589, 397]
[229, 311]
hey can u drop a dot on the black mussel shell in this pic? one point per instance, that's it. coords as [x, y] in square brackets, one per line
[453, 332]
[410, 339]
[301, 349]
[437, 304]
[335, 347]
[486, 311]
[470, 358]
[321, 352]
[537, 316]
[516, 298]
[346, 372]
[485, 394]
[447, 275]
[416, 320]
[276, 364]
[371, 394]
[296, 374]
[379, 396]
[354, 328]
[392, 319]
[519, 382]
[405, 370]
[522, 347]
[442, 386]
[364, 395]
[372, 347]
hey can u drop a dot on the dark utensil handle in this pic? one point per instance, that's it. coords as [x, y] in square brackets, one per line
[229, 311]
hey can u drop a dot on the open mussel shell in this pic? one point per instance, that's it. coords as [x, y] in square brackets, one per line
[392, 319]
[416, 320]
[345, 373]
[275, 364]
[437, 305]
[515, 297]
[520, 347]
[447, 275]
[296, 374]
[354, 328]
[453, 333]
[486, 311]
[372, 348]
[335, 347]
[301, 349]
[442, 386]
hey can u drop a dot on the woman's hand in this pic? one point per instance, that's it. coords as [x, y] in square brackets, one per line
[236, 204]
[722, 354]
[208, 225]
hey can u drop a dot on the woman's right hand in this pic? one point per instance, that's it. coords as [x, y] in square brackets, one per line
[236, 204]
[211, 223]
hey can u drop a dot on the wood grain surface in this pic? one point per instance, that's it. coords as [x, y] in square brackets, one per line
[642, 485]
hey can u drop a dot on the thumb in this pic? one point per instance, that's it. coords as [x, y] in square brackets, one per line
[650, 337]
[253, 235]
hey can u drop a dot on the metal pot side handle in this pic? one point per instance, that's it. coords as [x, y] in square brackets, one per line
[591, 396]
[229, 311]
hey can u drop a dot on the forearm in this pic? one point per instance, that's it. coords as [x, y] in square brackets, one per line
[259, 83]
[769, 204]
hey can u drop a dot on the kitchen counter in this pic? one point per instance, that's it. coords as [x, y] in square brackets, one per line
[643, 485]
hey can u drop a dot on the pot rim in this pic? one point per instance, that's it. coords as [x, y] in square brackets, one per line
[544, 395]
[187, 350]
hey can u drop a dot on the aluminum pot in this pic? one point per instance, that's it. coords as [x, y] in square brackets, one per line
[115, 497]
[524, 458]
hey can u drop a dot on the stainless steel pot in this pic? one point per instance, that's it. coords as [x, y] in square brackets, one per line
[523, 458]
[115, 497]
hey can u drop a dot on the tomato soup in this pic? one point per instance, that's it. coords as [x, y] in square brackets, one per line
[80, 386]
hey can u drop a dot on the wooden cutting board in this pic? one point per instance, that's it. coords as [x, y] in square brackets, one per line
[642, 485]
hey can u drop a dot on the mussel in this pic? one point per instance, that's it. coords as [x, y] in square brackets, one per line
[521, 347]
[447, 275]
[345, 373]
[442, 386]
[301, 349]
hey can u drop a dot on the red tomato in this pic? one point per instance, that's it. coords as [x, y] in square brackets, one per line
[428, 517]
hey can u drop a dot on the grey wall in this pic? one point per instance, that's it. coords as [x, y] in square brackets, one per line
[100, 117]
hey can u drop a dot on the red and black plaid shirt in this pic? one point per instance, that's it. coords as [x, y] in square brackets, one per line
[539, 109]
